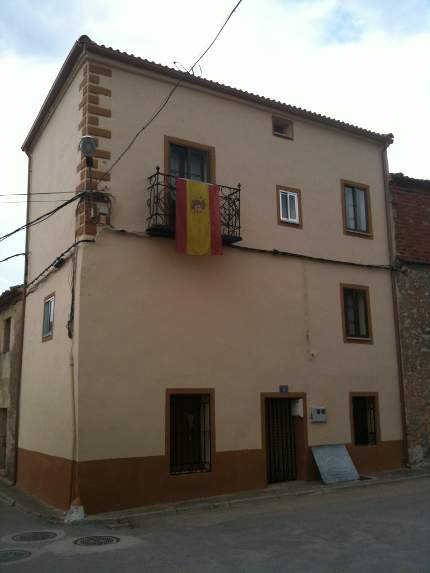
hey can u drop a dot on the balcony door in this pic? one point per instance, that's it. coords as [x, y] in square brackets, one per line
[189, 162]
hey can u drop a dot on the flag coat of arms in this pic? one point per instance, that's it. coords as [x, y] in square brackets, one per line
[198, 223]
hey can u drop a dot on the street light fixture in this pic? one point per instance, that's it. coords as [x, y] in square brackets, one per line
[88, 146]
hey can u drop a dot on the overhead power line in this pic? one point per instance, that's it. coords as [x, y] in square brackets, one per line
[12, 257]
[43, 217]
[167, 98]
[39, 193]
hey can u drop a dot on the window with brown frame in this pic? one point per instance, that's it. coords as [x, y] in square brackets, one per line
[356, 313]
[364, 420]
[48, 317]
[356, 209]
[282, 127]
[190, 433]
[289, 206]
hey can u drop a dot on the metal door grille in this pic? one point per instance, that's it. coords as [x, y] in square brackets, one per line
[190, 433]
[281, 455]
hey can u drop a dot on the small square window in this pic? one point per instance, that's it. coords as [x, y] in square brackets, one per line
[356, 209]
[364, 420]
[289, 206]
[48, 317]
[356, 313]
[282, 127]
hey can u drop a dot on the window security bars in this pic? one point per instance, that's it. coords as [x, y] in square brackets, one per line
[190, 433]
[363, 408]
[162, 208]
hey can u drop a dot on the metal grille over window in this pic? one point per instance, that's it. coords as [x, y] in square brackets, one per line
[364, 420]
[190, 433]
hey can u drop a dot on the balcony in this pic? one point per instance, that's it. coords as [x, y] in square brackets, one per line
[161, 207]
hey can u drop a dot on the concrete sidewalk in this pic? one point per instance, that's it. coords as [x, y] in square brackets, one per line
[12, 496]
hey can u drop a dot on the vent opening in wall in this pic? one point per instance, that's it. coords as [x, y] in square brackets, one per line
[282, 127]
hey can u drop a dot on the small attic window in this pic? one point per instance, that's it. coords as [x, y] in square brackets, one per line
[282, 127]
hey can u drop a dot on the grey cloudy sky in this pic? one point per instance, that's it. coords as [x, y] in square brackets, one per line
[361, 61]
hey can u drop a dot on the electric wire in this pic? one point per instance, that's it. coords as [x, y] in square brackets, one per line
[12, 256]
[57, 262]
[167, 98]
[43, 217]
[38, 193]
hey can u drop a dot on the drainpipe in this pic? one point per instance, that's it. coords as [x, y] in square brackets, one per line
[21, 341]
[391, 247]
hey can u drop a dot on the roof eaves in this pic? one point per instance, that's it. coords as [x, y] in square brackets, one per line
[133, 60]
[56, 87]
[400, 180]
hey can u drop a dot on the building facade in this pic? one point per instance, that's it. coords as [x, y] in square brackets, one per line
[411, 216]
[150, 376]
[11, 308]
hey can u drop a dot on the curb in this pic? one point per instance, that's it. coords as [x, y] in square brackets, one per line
[184, 507]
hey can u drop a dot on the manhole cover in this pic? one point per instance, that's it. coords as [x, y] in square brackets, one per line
[10, 555]
[29, 536]
[96, 540]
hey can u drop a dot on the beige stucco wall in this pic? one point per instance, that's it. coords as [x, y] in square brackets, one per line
[247, 152]
[148, 319]
[151, 319]
[46, 408]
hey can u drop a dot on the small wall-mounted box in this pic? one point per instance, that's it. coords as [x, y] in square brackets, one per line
[318, 415]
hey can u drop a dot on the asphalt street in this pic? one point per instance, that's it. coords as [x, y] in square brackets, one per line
[383, 528]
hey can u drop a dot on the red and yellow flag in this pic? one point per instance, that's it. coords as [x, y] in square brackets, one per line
[198, 224]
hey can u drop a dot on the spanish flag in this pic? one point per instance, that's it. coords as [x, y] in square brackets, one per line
[198, 224]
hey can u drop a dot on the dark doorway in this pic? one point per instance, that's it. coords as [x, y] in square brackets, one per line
[281, 455]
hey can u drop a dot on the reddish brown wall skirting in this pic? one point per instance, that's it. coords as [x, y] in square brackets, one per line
[120, 483]
[47, 477]
[383, 456]
[108, 485]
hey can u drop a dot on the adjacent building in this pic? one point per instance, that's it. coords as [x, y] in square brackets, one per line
[150, 376]
[11, 309]
[411, 216]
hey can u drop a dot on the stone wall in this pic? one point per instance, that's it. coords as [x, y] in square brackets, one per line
[11, 307]
[411, 215]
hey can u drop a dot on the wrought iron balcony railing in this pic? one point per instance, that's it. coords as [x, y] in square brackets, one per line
[162, 204]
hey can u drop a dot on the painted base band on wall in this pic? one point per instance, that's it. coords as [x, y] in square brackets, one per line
[109, 485]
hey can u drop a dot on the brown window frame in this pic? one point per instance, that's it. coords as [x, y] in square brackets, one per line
[356, 233]
[286, 122]
[50, 335]
[210, 392]
[279, 190]
[191, 144]
[375, 396]
[358, 339]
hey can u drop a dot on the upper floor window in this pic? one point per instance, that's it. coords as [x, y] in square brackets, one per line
[356, 209]
[48, 317]
[356, 313]
[189, 161]
[289, 205]
[7, 327]
[282, 127]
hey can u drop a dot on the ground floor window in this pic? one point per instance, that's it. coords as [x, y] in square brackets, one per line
[364, 414]
[190, 433]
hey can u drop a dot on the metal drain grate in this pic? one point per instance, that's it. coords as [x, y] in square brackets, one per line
[92, 540]
[29, 536]
[11, 555]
